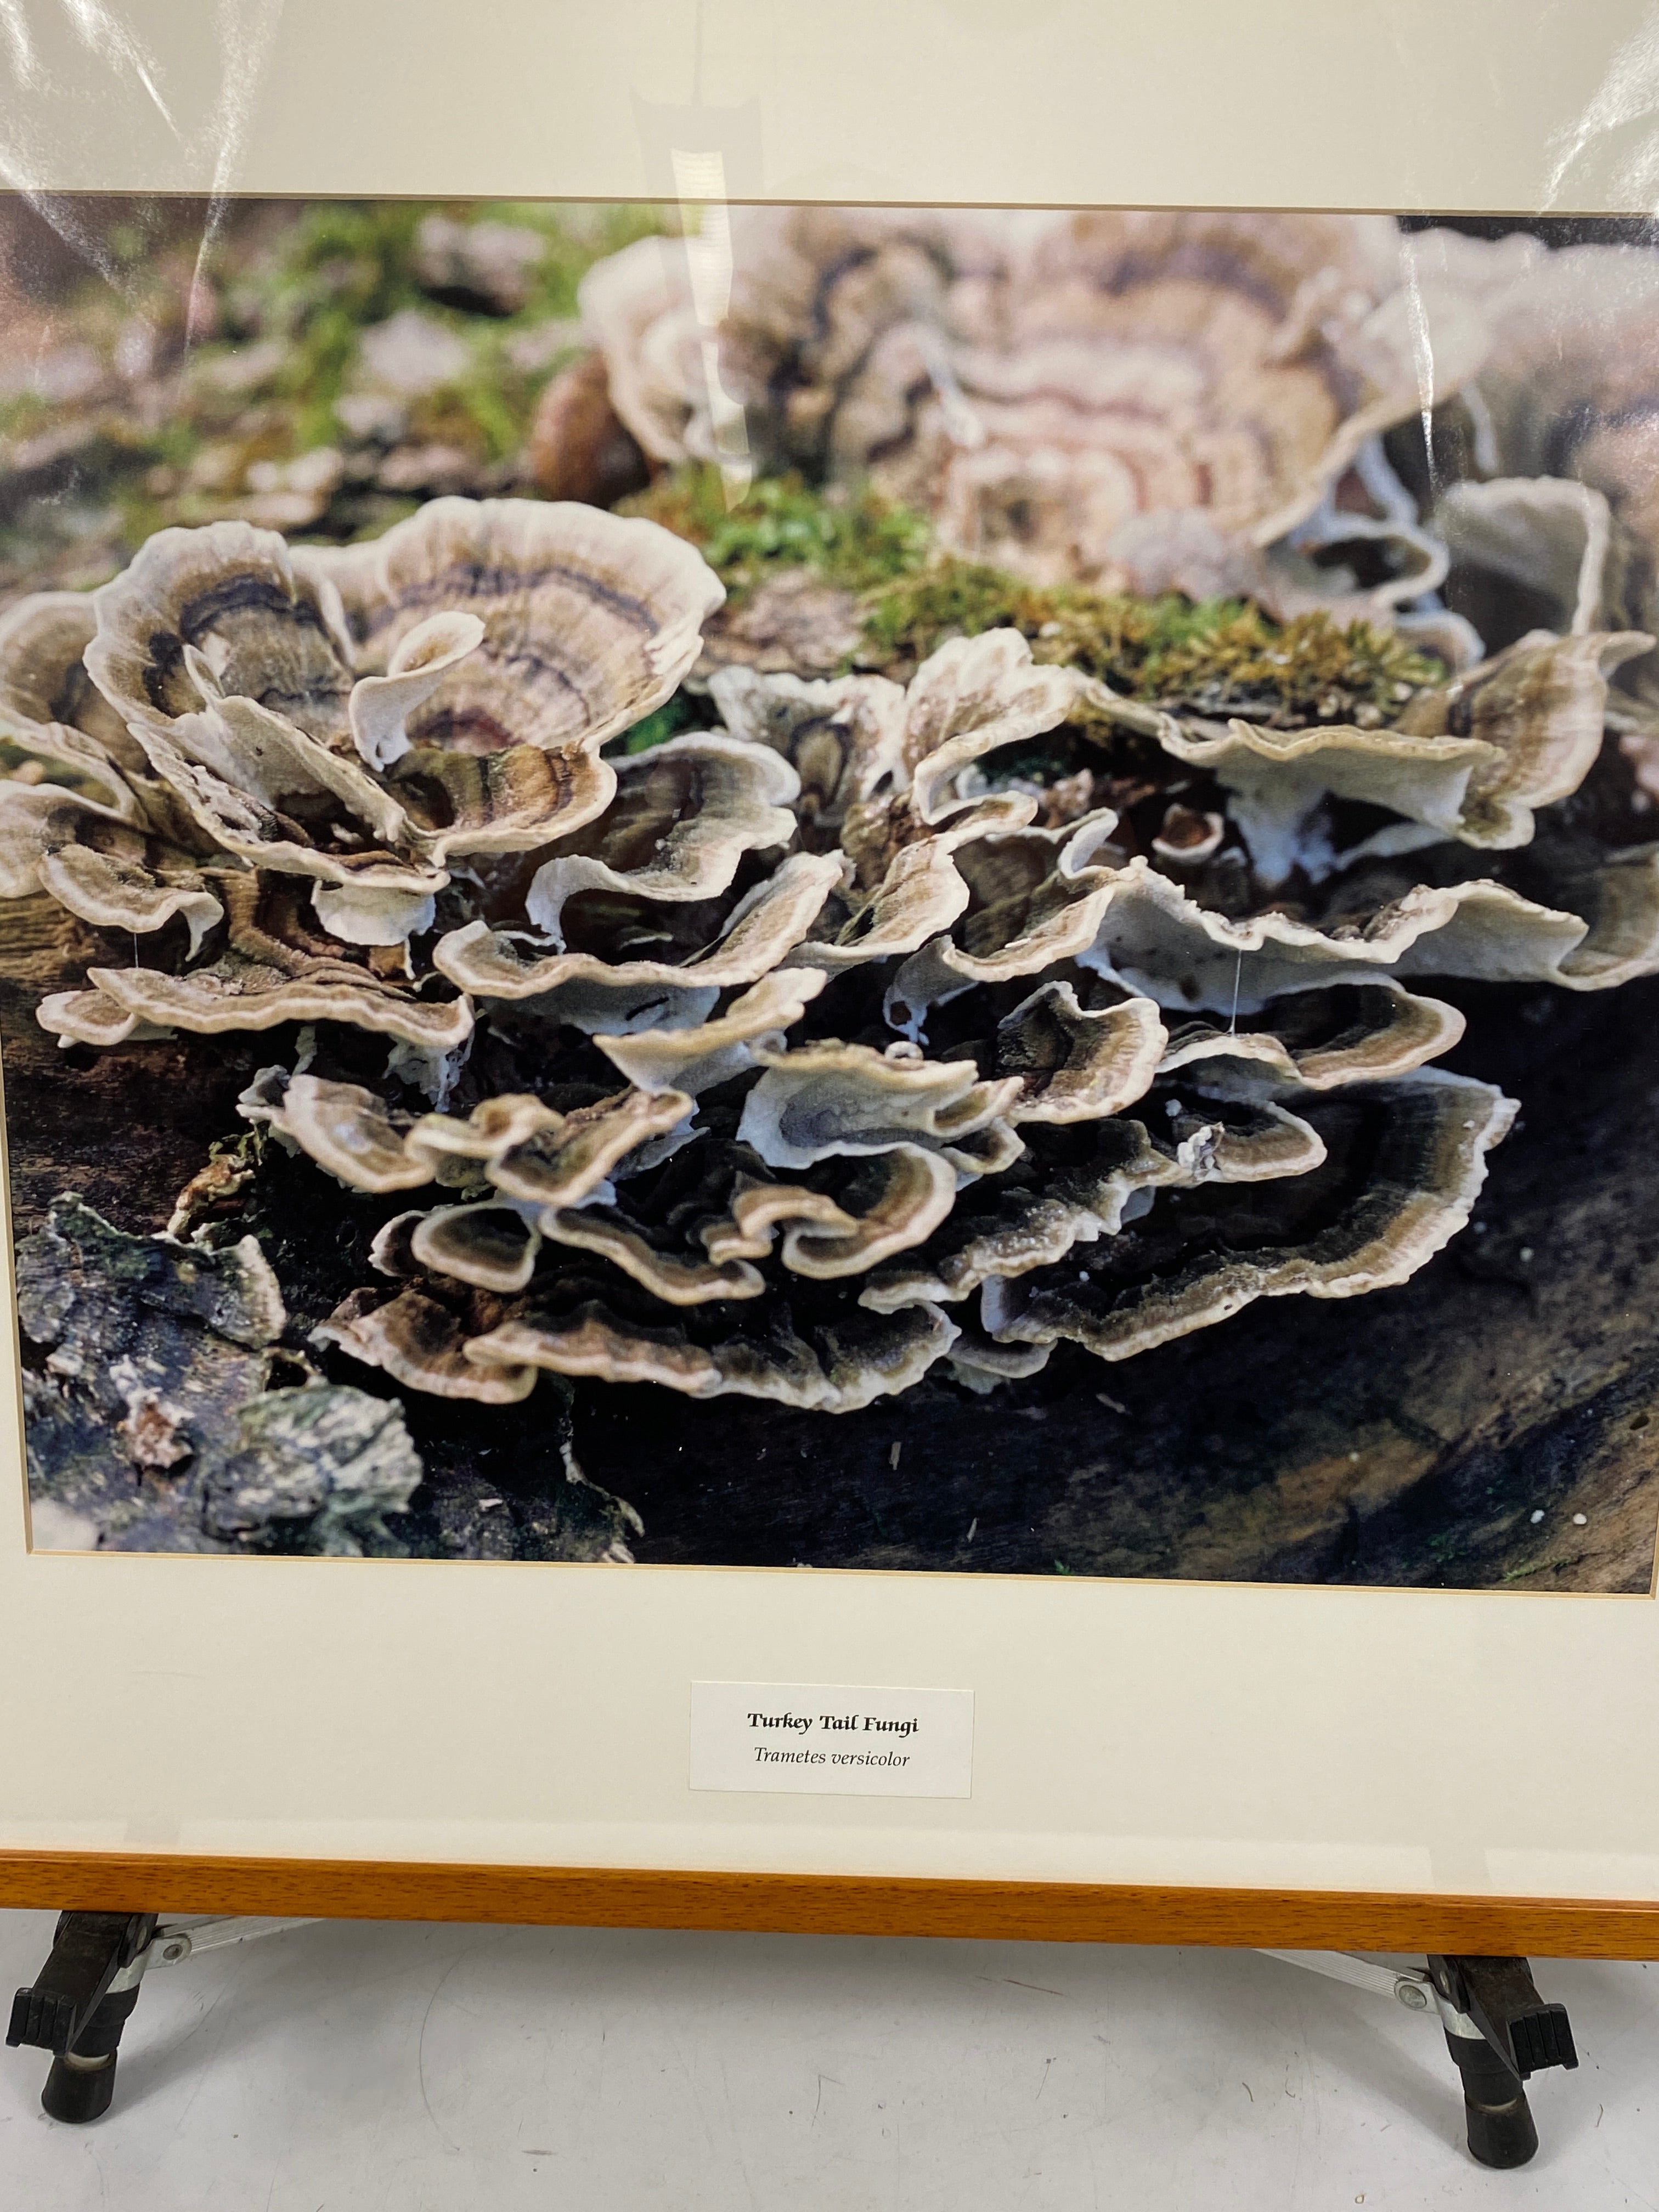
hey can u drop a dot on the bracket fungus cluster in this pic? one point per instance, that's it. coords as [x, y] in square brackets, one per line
[1138, 400]
[1551, 506]
[862, 1030]
[313, 750]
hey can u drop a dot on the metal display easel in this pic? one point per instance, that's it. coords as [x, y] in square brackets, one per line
[1498, 2028]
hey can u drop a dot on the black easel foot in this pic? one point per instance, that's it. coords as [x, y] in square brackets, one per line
[1502, 2132]
[79, 2090]
[81, 2081]
[1499, 2031]
[78, 2004]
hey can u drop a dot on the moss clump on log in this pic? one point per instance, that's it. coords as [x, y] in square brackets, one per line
[1217, 657]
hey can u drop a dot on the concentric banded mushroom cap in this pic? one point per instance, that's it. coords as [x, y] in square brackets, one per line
[225, 729]
[685, 815]
[589, 621]
[604, 1326]
[721, 945]
[43, 671]
[1403, 1164]
[824, 1099]
[1059, 392]
[1081, 1184]
[228, 606]
[815, 290]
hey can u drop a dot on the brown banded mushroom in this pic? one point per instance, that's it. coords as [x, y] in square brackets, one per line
[239, 994]
[1472, 760]
[1315, 1040]
[891, 782]
[1551, 537]
[1035, 899]
[223, 611]
[843, 738]
[1154, 939]
[686, 1234]
[721, 945]
[676, 1279]
[889, 1203]
[1084, 1183]
[43, 672]
[589, 1318]
[1186, 839]
[1082, 917]
[684, 816]
[762, 1349]
[1077, 1063]
[1147, 399]
[1403, 1164]
[275, 966]
[421, 1341]
[589, 621]
[831, 1099]
[815, 289]
[450, 707]
[696, 1059]
[1146, 369]
[982, 1366]
[262, 791]
[77, 830]
[690, 1233]
[522, 1148]
[488, 1243]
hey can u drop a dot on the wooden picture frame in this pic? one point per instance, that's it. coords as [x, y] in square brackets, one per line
[760, 1903]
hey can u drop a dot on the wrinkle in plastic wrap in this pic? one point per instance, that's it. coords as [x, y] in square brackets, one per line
[185, 89]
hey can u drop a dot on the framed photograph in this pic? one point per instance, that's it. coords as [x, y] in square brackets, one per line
[829, 959]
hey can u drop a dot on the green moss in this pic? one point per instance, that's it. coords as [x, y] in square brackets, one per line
[673, 716]
[343, 266]
[345, 263]
[313, 284]
[857, 540]
[576, 238]
[1215, 657]
[350, 264]
[489, 408]
[22, 414]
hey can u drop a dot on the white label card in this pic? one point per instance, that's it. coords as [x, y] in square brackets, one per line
[831, 1740]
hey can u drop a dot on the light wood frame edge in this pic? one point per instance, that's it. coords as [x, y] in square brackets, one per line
[830, 1905]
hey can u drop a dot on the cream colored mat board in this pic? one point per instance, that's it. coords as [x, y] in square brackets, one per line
[1397, 105]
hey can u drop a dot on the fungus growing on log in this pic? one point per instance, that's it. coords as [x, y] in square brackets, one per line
[856, 1028]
